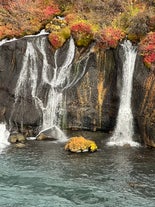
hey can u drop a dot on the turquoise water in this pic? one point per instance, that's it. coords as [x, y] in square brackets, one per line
[44, 175]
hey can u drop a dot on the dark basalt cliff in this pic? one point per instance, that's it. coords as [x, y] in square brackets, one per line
[143, 102]
[91, 102]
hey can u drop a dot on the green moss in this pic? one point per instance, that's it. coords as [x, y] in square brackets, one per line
[65, 32]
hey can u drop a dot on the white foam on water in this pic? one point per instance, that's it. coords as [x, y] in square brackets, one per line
[4, 135]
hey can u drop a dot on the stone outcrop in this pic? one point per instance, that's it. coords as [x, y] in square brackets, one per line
[92, 103]
[16, 137]
[143, 102]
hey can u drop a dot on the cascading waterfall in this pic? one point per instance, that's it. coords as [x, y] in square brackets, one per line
[124, 131]
[28, 77]
[52, 109]
[4, 135]
[29, 73]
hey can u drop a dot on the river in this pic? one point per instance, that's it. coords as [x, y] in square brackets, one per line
[43, 174]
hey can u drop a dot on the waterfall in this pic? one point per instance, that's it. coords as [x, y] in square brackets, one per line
[4, 135]
[124, 131]
[51, 108]
[27, 79]
[28, 74]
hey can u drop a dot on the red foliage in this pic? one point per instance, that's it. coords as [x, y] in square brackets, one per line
[56, 40]
[81, 27]
[147, 49]
[26, 16]
[50, 11]
[82, 32]
[149, 59]
[109, 37]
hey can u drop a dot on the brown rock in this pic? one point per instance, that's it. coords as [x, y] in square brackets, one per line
[17, 137]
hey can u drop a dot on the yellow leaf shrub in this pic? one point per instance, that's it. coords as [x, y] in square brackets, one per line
[80, 144]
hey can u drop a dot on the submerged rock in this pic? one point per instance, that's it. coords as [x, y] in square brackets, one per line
[80, 144]
[41, 137]
[20, 145]
[48, 134]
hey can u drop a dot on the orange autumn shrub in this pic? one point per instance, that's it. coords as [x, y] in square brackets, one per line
[50, 11]
[26, 16]
[56, 39]
[109, 37]
[59, 32]
[147, 49]
[71, 18]
[82, 32]
[80, 144]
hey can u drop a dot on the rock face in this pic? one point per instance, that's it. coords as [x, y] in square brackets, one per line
[20, 108]
[90, 94]
[143, 102]
[90, 98]
[92, 103]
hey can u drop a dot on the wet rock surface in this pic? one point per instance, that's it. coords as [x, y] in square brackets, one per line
[91, 100]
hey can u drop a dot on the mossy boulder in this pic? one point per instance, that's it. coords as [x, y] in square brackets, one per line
[80, 144]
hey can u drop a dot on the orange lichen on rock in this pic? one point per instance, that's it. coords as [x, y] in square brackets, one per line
[101, 94]
[148, 112]
[80, 144]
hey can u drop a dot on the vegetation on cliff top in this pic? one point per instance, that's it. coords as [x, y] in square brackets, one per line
[105, 22]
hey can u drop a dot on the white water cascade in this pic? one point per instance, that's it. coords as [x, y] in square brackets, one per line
[4, 135]
[124, 131]
[51, 109]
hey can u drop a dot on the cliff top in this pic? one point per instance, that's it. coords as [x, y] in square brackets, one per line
[104, 21]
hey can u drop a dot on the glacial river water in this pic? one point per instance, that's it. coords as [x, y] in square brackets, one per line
[43, 174]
